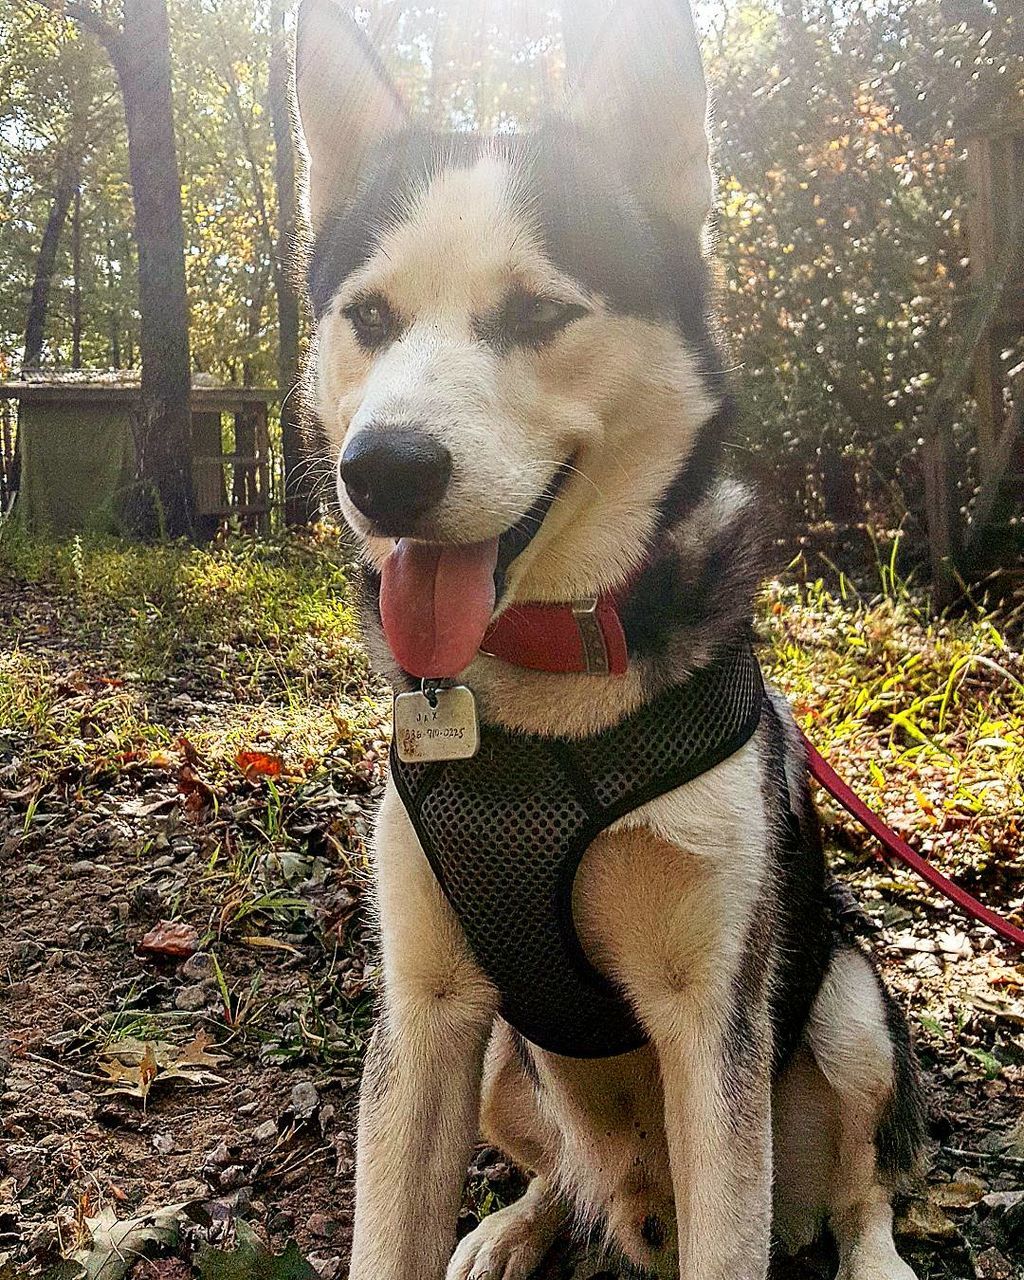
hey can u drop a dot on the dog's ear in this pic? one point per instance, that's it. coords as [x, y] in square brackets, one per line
[642, 93]
[346, 101]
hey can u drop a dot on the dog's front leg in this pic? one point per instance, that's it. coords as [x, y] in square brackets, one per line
[717, 1122]
[420, 1100]
[681, 941]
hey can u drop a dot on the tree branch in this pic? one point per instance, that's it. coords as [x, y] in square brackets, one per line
[89, 20]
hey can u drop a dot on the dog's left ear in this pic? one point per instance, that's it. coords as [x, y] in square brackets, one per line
[346, 101]
[643, 94]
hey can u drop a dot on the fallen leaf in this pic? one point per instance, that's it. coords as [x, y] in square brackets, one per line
[116, 1244]
[196, 1053]
[198, 793]
[258, 764]
[134, 1067]
[273, 944]
[922, 1220]
[962, 1193]
[250, 1258]
[171, 938]
[147, 1070]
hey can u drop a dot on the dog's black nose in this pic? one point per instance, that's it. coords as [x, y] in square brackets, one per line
[395, 475]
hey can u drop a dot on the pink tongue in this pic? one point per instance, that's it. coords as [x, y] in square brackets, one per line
[436, 603]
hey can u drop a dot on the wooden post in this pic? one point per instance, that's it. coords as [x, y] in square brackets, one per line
[261, 521]
[942, 526]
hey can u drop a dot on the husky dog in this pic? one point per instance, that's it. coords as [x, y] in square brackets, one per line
[517, 378]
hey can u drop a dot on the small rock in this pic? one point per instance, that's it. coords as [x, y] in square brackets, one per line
[265, 1132]
[198, 968]
[319, 1224]
[191, 999]
[304, 1100]
[163, 1143]
[248, 1108]
[1002, 1199]
[327, 1268]
[235, 1175]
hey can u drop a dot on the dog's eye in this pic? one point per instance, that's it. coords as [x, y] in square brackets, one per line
[372, 320]
[531, 318]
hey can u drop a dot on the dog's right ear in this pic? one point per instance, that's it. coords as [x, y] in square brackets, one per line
[346, 102]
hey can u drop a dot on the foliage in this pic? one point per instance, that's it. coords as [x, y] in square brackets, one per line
[841, 133]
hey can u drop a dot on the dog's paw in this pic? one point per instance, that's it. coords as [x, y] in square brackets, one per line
[881, 1264]
[508, 1245]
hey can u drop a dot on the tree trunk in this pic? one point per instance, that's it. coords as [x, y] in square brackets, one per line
[164, 436]
[76, 280]
[42, 284]
[300, 508]
[114, 317]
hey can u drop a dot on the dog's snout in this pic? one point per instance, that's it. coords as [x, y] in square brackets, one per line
[395, 475]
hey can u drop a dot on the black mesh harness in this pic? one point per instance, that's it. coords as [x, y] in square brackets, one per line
[505, 833]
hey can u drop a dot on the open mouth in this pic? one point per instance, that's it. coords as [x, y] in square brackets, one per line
[437, 599]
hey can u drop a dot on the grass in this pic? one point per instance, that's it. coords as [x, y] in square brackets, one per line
[924, 715]
[270, 625]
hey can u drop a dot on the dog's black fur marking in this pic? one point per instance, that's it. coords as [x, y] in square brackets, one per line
[702, 466]
[689, 597]
[802, 919]
[525, 1058]
[900, 1136]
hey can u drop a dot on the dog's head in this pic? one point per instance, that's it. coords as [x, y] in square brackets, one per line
[511, 337]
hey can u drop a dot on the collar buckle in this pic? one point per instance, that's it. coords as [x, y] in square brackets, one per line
[592, 637]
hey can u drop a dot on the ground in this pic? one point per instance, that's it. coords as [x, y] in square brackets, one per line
[191, 748]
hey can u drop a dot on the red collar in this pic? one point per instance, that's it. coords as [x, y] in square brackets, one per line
[583, 636]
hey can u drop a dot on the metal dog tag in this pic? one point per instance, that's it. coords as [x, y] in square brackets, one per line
[439, 723]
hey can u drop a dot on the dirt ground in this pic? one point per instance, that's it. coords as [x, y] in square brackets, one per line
[213, 1065]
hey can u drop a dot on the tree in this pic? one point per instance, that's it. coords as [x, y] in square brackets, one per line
[140, 53]
[300, 506]
[77, 69]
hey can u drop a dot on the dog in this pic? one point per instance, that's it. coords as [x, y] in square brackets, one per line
[517, 379]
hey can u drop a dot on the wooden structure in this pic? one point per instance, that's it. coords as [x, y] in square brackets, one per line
[995, 162]
[76, 429]
[990, 354]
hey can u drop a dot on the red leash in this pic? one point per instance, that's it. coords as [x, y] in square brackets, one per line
[823, 773]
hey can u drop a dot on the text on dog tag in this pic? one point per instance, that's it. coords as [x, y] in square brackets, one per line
[441, 725]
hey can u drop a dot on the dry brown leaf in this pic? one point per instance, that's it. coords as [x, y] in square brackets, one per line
[170, 938]
[273, 944]
[259, 764]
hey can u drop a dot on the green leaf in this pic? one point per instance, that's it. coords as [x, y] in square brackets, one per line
[993, 1067]
[251, 1260]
